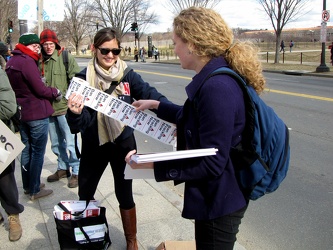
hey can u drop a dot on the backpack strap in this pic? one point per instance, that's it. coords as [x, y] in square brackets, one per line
[114, 84]
[65, 60]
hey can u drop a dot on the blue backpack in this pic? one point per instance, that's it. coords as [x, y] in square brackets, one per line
[261, 159]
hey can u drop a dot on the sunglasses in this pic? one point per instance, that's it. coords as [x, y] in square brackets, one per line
[107, 51]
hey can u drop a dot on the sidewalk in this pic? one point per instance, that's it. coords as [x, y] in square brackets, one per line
[158, 212]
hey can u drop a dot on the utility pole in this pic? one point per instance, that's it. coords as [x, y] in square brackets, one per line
[40, 9]
[322, 67]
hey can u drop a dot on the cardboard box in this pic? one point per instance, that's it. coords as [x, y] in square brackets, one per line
[177, 245]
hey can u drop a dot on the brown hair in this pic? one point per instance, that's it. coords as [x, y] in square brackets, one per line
[105, 35]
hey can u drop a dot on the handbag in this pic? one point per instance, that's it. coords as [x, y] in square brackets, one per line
[80, 232]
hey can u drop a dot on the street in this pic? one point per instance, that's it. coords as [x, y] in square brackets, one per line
[299, 214]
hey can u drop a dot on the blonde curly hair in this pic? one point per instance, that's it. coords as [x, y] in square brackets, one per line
[211, 37]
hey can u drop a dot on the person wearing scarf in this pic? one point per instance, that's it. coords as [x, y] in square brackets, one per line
[105, 140]
[35, 100]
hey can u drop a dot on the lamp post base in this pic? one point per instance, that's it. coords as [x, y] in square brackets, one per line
[322, 68]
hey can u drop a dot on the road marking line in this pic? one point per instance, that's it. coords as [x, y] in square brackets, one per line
[268, 90]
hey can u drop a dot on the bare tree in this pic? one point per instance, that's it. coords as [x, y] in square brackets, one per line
[175, 6]
[121, 14]
[280, 13]
[76, 24]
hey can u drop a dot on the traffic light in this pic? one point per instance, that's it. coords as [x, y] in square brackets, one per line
[134, 26]
[10, 26]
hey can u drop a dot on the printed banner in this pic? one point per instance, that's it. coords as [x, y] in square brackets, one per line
[117, 109]
[10, 146]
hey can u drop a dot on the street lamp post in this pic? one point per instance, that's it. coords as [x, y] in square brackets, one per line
[322, 67]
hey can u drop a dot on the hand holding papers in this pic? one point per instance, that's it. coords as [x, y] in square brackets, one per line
[119, 110]
[131, 173]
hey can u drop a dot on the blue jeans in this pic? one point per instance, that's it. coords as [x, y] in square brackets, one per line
[34, 137]
[62, 141]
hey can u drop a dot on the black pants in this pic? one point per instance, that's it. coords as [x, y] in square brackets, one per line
[220, 233]
[8, 191]
[93, 163]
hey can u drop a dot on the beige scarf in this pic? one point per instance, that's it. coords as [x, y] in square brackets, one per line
[108, 129]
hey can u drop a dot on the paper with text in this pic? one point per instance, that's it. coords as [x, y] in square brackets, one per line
[141, 121]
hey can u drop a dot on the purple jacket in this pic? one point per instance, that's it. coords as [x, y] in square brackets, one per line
[31, 93]
[211, 188]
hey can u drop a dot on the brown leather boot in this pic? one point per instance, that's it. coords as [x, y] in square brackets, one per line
[58, 175]
[128, 218]
[15, 229]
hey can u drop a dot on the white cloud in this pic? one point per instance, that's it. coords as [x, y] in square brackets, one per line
[247, 14]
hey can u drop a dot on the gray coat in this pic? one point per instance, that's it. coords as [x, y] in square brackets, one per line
[8, 104]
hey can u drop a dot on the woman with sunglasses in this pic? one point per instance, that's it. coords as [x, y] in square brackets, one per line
[105, 140]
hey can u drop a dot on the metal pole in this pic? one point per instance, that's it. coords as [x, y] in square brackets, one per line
[40, 9]
[322, 67]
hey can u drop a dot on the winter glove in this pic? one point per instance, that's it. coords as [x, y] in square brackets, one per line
[59, 96]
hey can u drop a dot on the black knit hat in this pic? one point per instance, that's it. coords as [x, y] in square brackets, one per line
[28, 38]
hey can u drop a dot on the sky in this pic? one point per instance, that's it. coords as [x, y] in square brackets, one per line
[247, 14]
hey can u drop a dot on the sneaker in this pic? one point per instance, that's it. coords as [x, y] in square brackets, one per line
[15, 229]
[41, 186]
[40, 194]
[73, 182]
[58, 175]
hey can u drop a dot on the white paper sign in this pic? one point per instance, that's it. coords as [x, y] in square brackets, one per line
[9, 143]
[52, 10]
[119, 110]
[131, 173]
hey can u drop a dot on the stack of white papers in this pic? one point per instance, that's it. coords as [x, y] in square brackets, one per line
[76, 206]
[131, 173]
[181, 154]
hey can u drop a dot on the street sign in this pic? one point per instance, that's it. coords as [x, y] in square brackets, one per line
[325, 15]
[323, 32]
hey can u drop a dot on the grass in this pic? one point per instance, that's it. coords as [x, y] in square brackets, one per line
[307, 60]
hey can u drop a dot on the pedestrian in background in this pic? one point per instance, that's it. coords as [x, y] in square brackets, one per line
[62, 140]
[8, 189]
[291, 45]
[156, 53]
[215, 119]
[136, 54]
[35, 99]
[105, 140]
[129, 51]
[332, 53]
[282, 46]
[143, 54]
